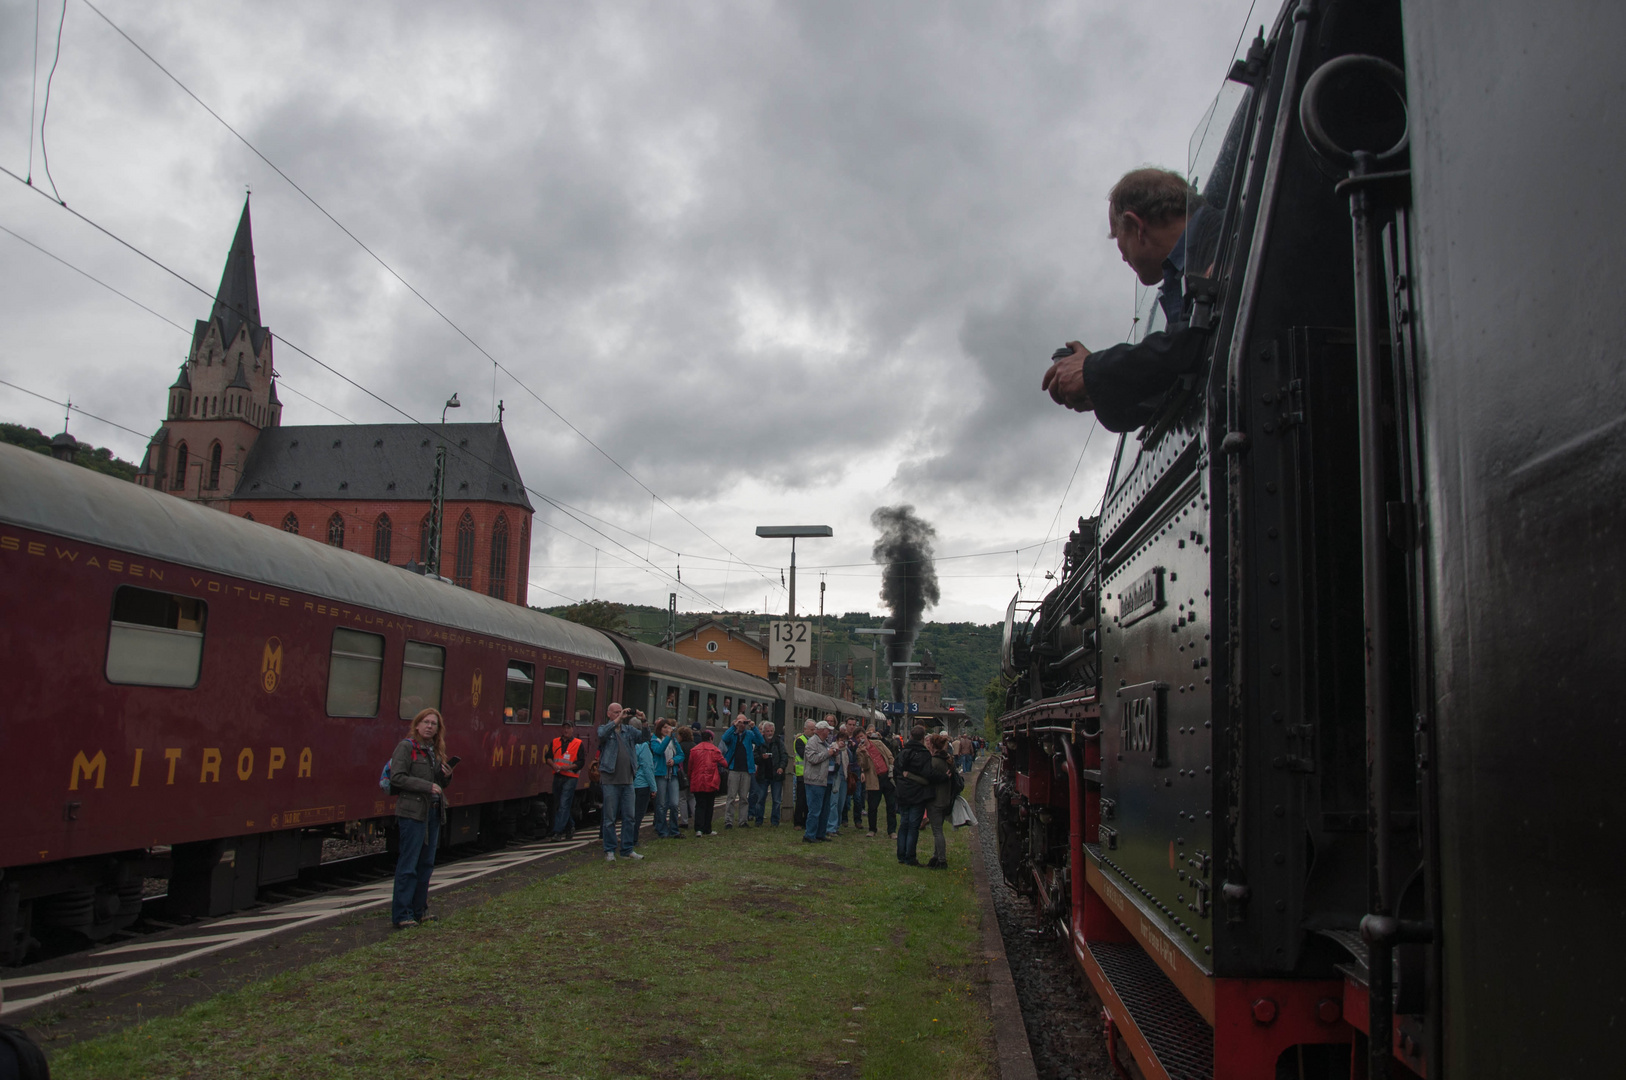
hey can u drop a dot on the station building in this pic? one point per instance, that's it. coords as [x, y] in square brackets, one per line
[366, 488]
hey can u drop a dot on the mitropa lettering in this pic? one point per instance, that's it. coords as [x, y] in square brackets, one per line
[89, 771]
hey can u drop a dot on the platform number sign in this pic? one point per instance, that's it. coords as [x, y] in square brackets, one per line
[790, 644]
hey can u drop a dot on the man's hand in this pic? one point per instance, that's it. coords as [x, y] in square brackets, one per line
[1065, 380]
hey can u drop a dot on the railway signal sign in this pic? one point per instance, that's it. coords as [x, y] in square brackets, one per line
[790, 644]
[897, 708]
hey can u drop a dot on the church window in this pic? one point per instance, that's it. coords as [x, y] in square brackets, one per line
[290, 524]
[497, 585]
[214, 467]
[522, 562]
[180, 467]
[423, 539]
[335, 530]
[381, 538]
[463, 575]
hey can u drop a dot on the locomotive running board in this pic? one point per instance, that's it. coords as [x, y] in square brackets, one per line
[1154, 1018]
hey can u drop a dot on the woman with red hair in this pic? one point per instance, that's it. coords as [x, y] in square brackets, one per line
[419, 774]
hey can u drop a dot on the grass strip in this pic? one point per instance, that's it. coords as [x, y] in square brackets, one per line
[748, 954]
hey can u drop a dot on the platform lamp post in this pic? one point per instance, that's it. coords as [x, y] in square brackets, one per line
[431, 562]
[875, 653]
[792, 533]
[906, 665]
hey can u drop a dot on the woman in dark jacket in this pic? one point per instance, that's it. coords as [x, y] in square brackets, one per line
[419, 774]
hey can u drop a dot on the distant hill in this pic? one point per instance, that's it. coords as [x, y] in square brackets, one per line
[966, 653]
[97, 459]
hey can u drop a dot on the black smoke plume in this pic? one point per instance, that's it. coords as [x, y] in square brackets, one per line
[908, 582]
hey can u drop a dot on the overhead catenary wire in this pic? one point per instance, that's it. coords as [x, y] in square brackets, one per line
[45, 113]
[497, 364]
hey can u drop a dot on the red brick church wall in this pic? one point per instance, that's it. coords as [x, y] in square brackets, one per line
[360, 517]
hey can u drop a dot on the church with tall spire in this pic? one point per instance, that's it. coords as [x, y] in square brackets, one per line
[363, 487]
[225, 394]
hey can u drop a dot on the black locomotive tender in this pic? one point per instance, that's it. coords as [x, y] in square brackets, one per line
[1312, 754]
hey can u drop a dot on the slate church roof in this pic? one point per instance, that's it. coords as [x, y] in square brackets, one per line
[381, 462]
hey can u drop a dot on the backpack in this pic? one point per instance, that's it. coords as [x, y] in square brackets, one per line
[956, 779]
[28, 1058]
[384, 779]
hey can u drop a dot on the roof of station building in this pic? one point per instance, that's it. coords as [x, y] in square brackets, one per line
[381, 462]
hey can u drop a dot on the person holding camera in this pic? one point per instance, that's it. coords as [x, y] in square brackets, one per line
[740, 744]
[419, 775]
[618, 767]
[769, 779]
[816, 755]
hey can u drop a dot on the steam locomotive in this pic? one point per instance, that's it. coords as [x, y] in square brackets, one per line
[1311, 753]
[196, 697]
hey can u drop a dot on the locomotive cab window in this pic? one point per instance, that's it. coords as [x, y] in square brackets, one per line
[555, 687]
[587, 695]
[423, 669]
[156, 638]
[516, 701]
[355, 673]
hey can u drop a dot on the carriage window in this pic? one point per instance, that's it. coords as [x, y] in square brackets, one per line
[670, 709]
[711, 708]
[422, 669]
[587, 695]
[516, 702]
[555, 686]
[355, 673]
[691, 715]
[156, 638]
[728, 707]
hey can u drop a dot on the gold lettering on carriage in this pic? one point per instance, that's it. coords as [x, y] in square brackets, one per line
[89, 771]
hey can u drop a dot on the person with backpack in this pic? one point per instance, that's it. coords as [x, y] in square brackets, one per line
[914, 766]
[706, 768]
[564, 753]
[947, 782]
[419, 775]
[668, 754]
[876, 761]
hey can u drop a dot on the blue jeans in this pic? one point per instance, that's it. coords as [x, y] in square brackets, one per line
[413, 866]
[909, 832]
[818, 821]
[667, 793]
[837, 796]
[618, 805]
[564, 799]
[760, 790]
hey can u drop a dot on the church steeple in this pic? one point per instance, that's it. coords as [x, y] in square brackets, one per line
[238, 299]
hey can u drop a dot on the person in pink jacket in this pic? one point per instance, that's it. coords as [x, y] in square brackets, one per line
[705, 764]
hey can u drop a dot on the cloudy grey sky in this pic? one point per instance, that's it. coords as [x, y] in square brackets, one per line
[786, 262]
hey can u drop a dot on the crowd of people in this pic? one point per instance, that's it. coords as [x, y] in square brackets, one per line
[844, 774]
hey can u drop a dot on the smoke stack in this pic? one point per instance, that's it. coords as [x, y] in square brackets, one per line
[908, 581]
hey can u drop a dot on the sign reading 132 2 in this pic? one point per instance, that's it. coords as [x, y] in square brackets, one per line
[790, 644]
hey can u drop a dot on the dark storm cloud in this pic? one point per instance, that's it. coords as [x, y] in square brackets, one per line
[762, 247]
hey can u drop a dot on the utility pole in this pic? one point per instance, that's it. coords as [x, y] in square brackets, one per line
[820, 660]
[671, 620]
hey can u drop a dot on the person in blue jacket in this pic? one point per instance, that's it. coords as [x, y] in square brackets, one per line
[643, 783]
[668, 754]
[740, 744]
